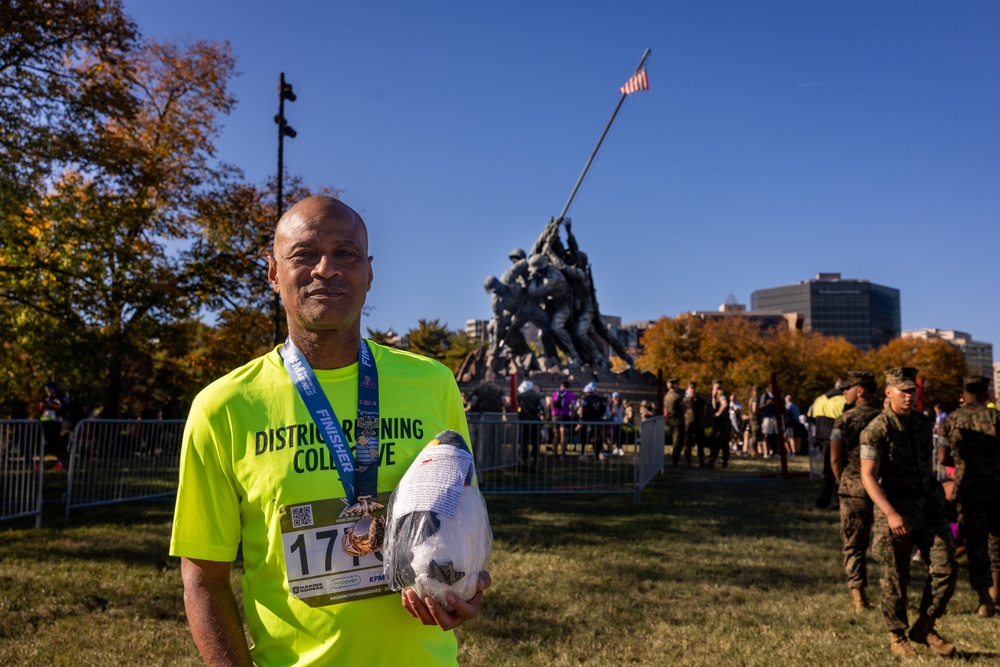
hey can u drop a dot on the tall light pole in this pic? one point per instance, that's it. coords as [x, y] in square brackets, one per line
[284, 130]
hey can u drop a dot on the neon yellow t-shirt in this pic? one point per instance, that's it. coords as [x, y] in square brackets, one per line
[253, 467]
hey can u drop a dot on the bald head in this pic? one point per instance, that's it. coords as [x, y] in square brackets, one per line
[321, 268]
[313, 208]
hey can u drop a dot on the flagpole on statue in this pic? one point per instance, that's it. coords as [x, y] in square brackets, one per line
[638, 81]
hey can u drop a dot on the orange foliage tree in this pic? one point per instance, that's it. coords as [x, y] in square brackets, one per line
[741, 353]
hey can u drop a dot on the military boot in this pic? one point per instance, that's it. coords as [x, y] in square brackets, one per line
[899, 646]
[986, 606]
[860, 599]
[922, 632]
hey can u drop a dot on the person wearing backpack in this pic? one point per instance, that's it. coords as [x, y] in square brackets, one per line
[563, 401]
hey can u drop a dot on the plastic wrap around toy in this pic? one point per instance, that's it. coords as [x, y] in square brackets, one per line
[438, 535]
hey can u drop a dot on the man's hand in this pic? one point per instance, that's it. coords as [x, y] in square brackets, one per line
[430, 611]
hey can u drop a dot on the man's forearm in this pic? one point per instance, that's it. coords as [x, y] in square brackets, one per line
[213, 615]
[869, 471]
[837, 459]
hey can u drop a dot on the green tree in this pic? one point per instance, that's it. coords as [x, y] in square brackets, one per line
[385, 338]
[429, 338]
[459, 347]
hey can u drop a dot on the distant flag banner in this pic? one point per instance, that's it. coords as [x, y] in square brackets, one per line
[639, 81]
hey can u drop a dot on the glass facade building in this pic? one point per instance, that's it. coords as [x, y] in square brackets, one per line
[863, 313]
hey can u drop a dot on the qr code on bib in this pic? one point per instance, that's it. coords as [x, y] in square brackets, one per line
[302, 516]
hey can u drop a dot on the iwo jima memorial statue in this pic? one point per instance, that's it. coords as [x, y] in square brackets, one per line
[552, 288]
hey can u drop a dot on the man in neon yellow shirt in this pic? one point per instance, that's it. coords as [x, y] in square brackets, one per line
[262, 467]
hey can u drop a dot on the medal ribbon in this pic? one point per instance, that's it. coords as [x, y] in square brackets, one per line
[358, 471]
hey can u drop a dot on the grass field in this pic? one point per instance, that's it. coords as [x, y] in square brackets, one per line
[714, 568]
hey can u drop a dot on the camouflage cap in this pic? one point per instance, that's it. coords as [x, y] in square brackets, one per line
[901, 378]
[976, 384]
[854, 378]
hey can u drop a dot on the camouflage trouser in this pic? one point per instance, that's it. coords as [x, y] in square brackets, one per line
[995, 552]
[979, 520]
[856, 517]
[676, 434]
[937, 546]
[694, 438]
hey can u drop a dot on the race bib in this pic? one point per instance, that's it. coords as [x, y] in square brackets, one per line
[318, 569]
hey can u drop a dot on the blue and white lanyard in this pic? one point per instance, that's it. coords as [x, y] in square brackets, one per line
[366, 459]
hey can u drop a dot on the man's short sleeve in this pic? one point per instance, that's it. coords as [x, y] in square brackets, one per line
[873, 438]
[207, 512]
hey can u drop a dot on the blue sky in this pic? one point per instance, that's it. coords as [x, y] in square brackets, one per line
[778, 140]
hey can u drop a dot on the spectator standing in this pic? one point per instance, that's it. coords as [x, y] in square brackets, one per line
[823, 412]
[939, 416]
[971, 432]
[593, 405]
[51, 416]
[530, 414]
[615, 416]
[751, 434]
[791, 426]
[856, 508]
[486, 397]
[896, 470]
[694, 428]
[736, 421]
[673, 417]
[768, 446]
[720, 425]
[563, 412]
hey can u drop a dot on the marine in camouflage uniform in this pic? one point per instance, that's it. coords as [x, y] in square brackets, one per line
[694, 427]
[971, 432]
[896, 470]
[673, 413]
[856, 508]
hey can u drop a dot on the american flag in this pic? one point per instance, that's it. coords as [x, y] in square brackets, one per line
[639, 81]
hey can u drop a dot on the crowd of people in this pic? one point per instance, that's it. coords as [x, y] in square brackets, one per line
[879, 473]
[560, 420]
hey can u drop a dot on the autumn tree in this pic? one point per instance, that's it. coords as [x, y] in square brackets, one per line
[806, 364]
[85, 259]
[940, 367]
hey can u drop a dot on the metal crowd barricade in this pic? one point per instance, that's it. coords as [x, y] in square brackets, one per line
[115, 461]
[22, 463]
[513, 457]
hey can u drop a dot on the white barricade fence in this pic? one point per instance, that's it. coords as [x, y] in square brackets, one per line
[22, 456]
[521, 457]
[651, 458]
[114, 461]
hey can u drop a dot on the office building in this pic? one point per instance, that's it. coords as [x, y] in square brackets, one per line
[978, 355]
[865, 314]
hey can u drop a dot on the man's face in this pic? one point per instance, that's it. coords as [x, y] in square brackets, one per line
[851, 395]
[901, 401]
[321, 266]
